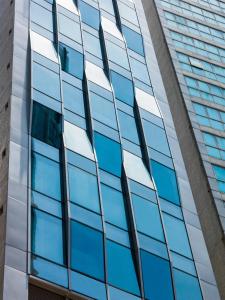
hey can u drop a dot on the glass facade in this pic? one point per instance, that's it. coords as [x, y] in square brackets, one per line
[101, 165]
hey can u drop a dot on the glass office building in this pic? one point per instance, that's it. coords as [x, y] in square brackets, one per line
[189, 38]
[99, 203]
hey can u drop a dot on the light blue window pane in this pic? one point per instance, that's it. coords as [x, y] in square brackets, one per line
[47, 204]
[220, 172]
[128, 127]
[69, 28]
[147, 217]
[118, 235]
[87, 250]
[103, 110]
[200, 109]
[112, 162]
[123, 88]
[45, 149]
[183, 263]
[142, 191]
[42, 170]
[89, 15]
[166, 182]
[209, 139]
[92, 44]
[128, 13]
[41, 16]
[88, 286]
[46, 81]
[113, 204]
[153, 246]
[139, 70]
[73, 99]
[187, 287]
[213, 152]
[214, 114]
[49, 271]
[47, 236]
[107, 5]
[221, 186]
[156, 138]
[117, 54]
[203, 121]
[177, 235]
[156, 277]
[133, 39]
[217, 125]
[72, 61]
[83, 188]
[121, 271]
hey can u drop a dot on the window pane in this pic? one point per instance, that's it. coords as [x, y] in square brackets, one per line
[134, 40]
[43, 169]
[46, 125]
[113, 204]
[128, 127]
[156, 277]
[117, 54]
[123, 88]
[166, 182]
[187, 287]
[46, 81]
[107, 5]
[156, 138]
[177, 235]
[83, 188]
[112, 162]
[89, 15]
[41, 16]
[47, 236]
[147, 217]
[92, 44]
[71, 61]
[139, 70]
[73, 99]
[121, 271]
[87, 250]
[69, 28]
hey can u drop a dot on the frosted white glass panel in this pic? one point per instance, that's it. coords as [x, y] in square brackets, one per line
[97, 75]
[68, 4]
[111, 28]
[147, 102]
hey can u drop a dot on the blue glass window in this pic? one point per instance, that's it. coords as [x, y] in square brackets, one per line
[134, 40]
[89, 15]
[72, 61]
[47, 236]
[103, 110]
[121, 271]
[147, 217]
[113, 204]
[156, 138]
[43, 169]
[87, 250]
[41, 16]
[73, 99]
[83, 188]
[69, 28]
[220, 176]
[92, 44]
[117, 55]
[156, 277]
[107, 5]
[128, 127]
[187, 287]
[108, 153]
[166, 182]
[46, 81]
[139, 70]
[123, 88]
[46, 125]
[177, 235]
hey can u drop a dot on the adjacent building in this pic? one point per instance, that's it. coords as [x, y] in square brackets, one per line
[189, 40]
[95, 201]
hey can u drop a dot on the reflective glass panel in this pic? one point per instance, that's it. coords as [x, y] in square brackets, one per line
[89, 15]
[73, 99]
[123, 88]
[134, 40]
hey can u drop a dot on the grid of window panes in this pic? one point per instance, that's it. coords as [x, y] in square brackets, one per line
[99, 227]
[198, 55]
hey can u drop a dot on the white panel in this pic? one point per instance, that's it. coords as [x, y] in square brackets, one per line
[147, 102]
[136, 170]
[97, 75]
[68, 4]
[43, 46]
[76, 139]
[111, 28]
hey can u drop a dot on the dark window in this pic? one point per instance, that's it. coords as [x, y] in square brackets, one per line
[123, 88]
[134, 40]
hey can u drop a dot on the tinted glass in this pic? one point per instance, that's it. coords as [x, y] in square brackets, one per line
[41, 16]
[108, 154]
[157, 277]
[123, 88]
[187, 287]
[139, 70]
[47, 236]
[147, 217]
[92, 44]
[113, 204]
[87, 250]
[43, 169]
[73, 99]
[46, 125]
[89, 15]
[83, 188]
[128, 127]
[134, 40]
[166, 182]
[69, 28]
[121, 271]
[117, 54]
[71, 61]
